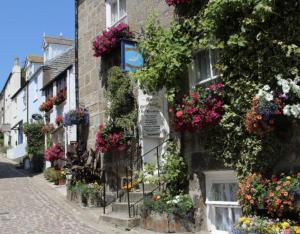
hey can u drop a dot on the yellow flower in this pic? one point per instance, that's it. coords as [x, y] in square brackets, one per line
[288, 178]
[285, 225]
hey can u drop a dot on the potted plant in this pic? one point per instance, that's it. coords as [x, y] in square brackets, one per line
[54, 153]
[62, 177]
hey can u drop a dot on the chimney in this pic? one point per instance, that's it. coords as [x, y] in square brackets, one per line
[16, 61]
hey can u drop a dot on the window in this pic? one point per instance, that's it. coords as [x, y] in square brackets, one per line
[49, 91]
[203, 67]
[223, 210]
[115, 12]
[61, 84]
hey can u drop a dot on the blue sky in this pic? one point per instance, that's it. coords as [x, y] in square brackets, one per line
[23, 23]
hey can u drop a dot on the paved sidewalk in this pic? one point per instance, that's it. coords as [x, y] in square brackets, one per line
[29, 205]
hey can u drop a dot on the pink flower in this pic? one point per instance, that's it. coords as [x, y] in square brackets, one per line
[179, 114]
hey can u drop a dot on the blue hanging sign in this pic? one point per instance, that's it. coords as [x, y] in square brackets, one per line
[131, 59]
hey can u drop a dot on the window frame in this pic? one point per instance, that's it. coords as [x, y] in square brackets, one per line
[109, 22]
[211, 177]
[193, 69]
[59, 87]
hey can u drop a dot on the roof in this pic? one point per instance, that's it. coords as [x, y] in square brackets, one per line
[35, 58]
[58, 65]
[58, 40]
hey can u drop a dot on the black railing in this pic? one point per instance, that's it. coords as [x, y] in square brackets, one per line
[130, 165]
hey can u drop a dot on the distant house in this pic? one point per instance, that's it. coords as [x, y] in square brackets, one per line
[59, 85]
[11, 87]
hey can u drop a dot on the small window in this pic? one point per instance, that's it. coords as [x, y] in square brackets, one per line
[61, 84]
[115, 12]
[203, 68]
[223, 210]
[49, 91]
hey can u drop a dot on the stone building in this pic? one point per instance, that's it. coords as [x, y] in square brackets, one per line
[208, 178]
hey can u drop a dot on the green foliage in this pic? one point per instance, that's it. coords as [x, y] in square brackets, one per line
[35, 138]
[167, 54]
[257, 39]
[180, 204]
[122, 106]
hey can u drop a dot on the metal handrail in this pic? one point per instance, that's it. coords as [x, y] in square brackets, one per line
[129, 166]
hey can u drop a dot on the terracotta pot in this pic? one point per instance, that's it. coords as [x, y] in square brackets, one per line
[61, 181]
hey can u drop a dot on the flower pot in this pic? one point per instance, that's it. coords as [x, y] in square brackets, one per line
[84, 200]
[62, 181]
[56, 182]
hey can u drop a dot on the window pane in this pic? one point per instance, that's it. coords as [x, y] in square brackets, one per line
[222, 219]
[223, 192]
[122, 8]
[114, 12]
[236, 214]
[202, 66]
[214, 60]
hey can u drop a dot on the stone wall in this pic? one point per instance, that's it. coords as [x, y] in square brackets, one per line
[91, 22]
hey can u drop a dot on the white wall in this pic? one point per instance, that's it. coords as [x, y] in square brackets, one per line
[11, 88]
[35, 95]
[54, 50]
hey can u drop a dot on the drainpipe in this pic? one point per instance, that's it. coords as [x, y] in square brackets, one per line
[76, 63]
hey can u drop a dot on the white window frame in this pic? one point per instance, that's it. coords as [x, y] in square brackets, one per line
[193, 71]
[120, 18]
[225, 176]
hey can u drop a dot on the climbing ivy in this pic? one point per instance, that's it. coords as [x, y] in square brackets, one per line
[257, 39]
[122, 104]
[35, 138]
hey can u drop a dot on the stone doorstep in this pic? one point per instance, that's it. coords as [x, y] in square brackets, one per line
[134, 196]
[120, 220]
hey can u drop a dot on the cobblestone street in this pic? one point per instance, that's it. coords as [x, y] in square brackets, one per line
[26, 207]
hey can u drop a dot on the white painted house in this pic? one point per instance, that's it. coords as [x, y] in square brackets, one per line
[59, 80]
[11, 87]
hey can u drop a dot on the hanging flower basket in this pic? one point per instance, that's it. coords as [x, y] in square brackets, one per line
[110, 39]
[47, 105]
[54, 153]
[60, 97]
[201, 108]
[177, 2]
[47, 128]
[59, 120]
[109, 138]
[76, 117]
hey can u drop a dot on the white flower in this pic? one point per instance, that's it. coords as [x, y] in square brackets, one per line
[286, 110]
[279, 76]
[269, 97]
[266, 88]
[285, 88]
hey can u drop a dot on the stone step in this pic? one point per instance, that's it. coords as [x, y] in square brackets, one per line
[120, 207]
[120, 219]
[134, 196]
[149, 187]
